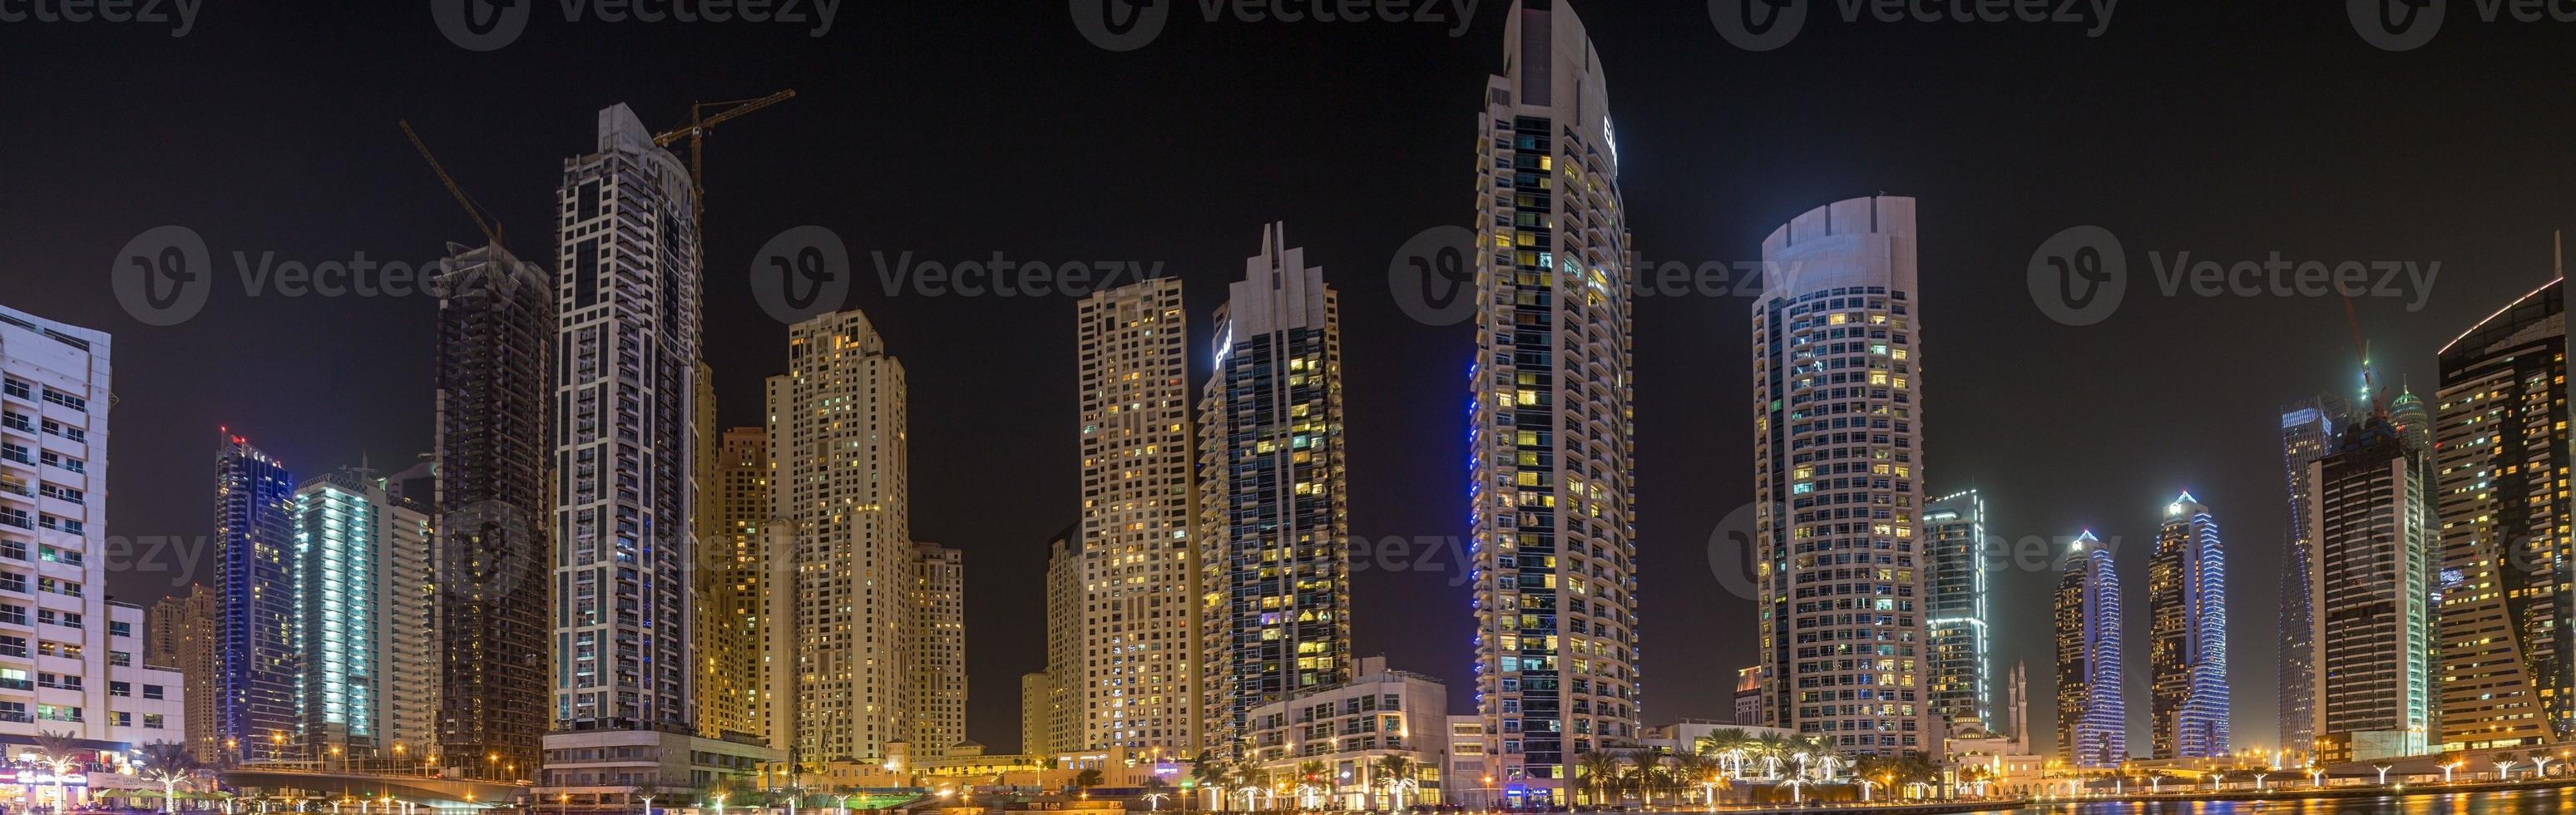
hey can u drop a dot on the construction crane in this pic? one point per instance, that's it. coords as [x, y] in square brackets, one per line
[699, 123]
[491, 228]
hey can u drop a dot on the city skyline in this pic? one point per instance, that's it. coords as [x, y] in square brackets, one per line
[2315, 347]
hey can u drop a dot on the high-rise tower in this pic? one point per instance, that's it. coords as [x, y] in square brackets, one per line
[1139, 673]
[363, 632]
[2092, 711]
[258, 664]
[1551, 442]
[1273, 498]
[2187, 634]
[1838, 479]
[2371, 638]
[1961, 686]
[734, 513]
[496, 334]
[838, 438]
[2308, 430]
[2507, 651]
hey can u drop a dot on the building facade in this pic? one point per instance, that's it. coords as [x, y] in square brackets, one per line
[1037, 713]
[2508, 663]
[842, 496]
[2187, 634]
[626, 365]
[1068, 722]
[1140, 632]
[733, 519]
[64, 649]
[1352, 728]
[495, 390]
[1838, 481]
[1275, 512]
[364, 626]
[258, 663]
[1962, 689]
[935, 692]
[1551, 439]
[2092, 707]
[2308, 431]
[181, 637]
[2371, 591]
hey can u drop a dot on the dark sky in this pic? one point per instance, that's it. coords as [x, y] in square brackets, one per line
[957, 129]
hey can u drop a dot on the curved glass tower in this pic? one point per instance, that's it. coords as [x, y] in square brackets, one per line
[2187, 645]
[2092, 707]
[1838, 480]
[1550, 439]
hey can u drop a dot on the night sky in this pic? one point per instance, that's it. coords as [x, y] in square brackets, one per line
[957, 129]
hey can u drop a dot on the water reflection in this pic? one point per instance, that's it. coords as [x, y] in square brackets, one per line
[2551, 801]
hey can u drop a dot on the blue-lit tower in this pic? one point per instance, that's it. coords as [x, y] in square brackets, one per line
[2187, 633]
[257, 664]
[2092, 714]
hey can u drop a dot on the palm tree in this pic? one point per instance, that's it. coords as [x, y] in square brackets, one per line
[1396, 772]
[169, 764]
[56, 751]
[1310, 778]
[1087, 779]
[1599, 771]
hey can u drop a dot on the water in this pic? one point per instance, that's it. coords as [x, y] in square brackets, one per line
[2549, 801]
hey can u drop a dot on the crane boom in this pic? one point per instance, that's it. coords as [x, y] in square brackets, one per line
[491, 229]
[696, 133]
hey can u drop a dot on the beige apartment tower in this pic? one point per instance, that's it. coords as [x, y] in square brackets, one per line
[1139, 670]
[839, 493]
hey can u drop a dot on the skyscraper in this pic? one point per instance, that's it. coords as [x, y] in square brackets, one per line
[68, 647]
[1139, 671]
[2092, 711]
[496, 333]
[182, 637]
[1961, 689]
[364, 636]
[2507, 650]
[626, 364]
[1069, 721]
[1273, 493]
[1037, 714]
[1551, 441]
[2372, 642]
[2308, 430]
[1837, 479]
[258, 662]
[935, 694]
[734, 517]
[842, 492]
[2187, 634]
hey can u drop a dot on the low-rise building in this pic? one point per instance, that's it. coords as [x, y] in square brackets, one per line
[1339, 746]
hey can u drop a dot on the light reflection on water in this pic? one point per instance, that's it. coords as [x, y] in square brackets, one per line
[2550, 801]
